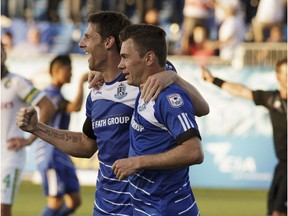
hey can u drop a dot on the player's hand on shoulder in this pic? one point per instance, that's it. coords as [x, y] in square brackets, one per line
[156, 83]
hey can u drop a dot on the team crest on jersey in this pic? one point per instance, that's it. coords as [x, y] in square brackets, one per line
[175, 100]
[121, 91]
[142, 107]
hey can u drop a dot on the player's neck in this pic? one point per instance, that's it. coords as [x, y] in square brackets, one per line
[111, 75]
[56, 84]
[112, 71]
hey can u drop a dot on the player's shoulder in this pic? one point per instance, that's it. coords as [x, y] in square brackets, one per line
[15, 81]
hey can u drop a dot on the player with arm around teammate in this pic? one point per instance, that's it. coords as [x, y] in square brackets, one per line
[16, 92]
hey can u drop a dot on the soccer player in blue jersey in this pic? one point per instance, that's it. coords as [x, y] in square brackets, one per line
[59, 179]
[16, 92]
[108, 111]
[164, 136]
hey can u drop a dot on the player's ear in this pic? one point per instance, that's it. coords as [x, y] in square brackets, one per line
[109, 42]
[150, 57]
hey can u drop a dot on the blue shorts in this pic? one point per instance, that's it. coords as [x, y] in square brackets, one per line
[58, 182]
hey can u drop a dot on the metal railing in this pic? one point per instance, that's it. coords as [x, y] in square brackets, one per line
[246, 55]
[260, 54]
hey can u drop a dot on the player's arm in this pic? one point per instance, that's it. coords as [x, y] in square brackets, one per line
[76, 104]
[156, 83]
[188, 153]
[235, 89]
[159, 81]
[73, 143]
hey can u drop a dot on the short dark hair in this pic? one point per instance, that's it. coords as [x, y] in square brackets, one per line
[59, 60]
[280, 63]
[147, 38]
[109, 23]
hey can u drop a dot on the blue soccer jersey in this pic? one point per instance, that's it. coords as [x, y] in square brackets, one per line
[156, 127]
[110, 110]
[56, 167]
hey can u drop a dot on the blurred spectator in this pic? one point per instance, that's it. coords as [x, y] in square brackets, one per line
[32, 46]
[177, 12]
[52, 10]
[129, 8]
[275, 35]
[142, 7]
[220, 11]
[231, 32]
[93, 6]
[4, 8]
[249, 9]
[196, 12]
[15, 8]
[7, 40]
[199, 43]
[152, 16]
[47, 10]
[74, 8]
[270, 13]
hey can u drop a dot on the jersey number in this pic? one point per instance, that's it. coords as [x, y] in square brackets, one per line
[7, 181]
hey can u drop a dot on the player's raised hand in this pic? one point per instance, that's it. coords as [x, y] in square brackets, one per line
[27, 119]
[206, 74]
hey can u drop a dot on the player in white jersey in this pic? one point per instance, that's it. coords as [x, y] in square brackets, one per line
[164, 136]
[16, 92]
[108, 113]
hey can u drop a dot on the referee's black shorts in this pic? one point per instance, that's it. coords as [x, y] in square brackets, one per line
[277, 197]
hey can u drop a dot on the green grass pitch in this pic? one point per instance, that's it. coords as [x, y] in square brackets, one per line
[30, 201]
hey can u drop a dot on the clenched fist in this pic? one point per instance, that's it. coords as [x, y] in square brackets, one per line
[27, 119]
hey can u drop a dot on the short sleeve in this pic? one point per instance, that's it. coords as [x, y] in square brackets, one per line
[176, 112]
